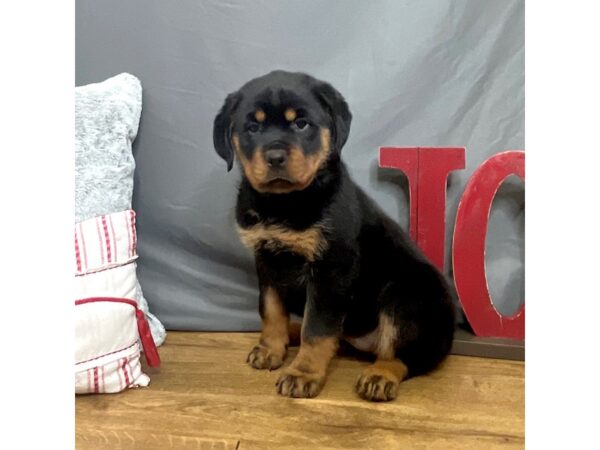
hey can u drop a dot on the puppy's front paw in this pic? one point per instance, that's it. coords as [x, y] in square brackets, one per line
[377, 387]
[299, 384]
[261, 357]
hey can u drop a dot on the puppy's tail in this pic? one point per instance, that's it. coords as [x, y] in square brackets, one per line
[295, 331]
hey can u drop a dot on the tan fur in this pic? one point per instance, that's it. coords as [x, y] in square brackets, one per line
[275, 320]
[290, 114]
[379, 382]
[394, 370]
[305, 376]
[387, 337]
[302, 169]
[260, 115]
[309, 243]
[314, 355]
[274, 338]
[255, 170]
[296, 164]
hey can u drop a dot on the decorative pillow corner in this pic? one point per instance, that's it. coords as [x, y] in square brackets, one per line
[112, 316]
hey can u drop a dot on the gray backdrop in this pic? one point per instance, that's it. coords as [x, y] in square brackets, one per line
[415, 73]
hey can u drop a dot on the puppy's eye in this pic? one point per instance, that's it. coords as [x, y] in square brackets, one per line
[252, 127]
[300, 124]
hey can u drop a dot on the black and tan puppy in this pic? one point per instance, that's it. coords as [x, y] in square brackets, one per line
[323, 249]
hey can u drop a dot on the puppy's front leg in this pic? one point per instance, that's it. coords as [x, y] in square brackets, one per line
[321, 329]
[274, 337]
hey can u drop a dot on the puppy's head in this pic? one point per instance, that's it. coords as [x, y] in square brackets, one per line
[283, 127]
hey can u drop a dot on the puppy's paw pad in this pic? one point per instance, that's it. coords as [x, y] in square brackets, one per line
[263, 358]
[299, 385]
[377, 387]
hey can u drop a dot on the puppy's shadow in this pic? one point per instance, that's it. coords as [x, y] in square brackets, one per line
[395, 183]
[397, 178]
[394, 176]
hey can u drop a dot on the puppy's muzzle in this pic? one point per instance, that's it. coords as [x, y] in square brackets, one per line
[276, 155]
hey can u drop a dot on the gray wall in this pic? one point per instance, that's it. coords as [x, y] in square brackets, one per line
[415, 73]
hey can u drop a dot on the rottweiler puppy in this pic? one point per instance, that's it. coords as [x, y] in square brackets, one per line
[323, 249]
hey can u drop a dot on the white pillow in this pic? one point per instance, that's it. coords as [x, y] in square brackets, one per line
[107, 117]
[109, 326]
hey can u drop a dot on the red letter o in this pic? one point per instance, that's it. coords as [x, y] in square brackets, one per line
[468, 252]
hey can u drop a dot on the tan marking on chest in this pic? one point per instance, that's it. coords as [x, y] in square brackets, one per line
[309, 243]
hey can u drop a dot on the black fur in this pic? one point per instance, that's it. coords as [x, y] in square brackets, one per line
[370, 265]
[222, 129]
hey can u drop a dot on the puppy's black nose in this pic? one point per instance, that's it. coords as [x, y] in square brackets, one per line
[276, 158]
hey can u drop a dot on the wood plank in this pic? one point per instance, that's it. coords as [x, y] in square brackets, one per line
[205, 396]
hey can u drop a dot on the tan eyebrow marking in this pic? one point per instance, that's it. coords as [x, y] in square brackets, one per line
[260, 115]
[290, 114]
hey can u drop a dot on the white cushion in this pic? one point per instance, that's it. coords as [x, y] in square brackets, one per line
[109, 325]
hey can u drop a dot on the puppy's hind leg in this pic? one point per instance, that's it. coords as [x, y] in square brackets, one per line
[379, 382]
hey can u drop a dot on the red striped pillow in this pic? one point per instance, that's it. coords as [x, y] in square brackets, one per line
[109, 327]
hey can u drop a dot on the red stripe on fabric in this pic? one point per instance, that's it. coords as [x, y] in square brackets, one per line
[129, 254]
[107, 239]
[104, 269]
[121, 387]
[100, 241]
[124, 368]
[132, 215]
[96, 390]
[103, 381]
[89, 380]
[85, 261]
[83, 301]
[114, 237]
[107, 354]
[131, 370]
[77, 254]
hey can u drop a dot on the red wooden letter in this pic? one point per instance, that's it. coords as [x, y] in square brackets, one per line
[468, 252]
[434, 167]
[427, 169]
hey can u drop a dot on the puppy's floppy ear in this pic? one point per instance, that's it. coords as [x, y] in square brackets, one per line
[336, 105]
[223, 126]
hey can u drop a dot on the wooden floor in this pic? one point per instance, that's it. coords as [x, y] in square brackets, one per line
[205, 397]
